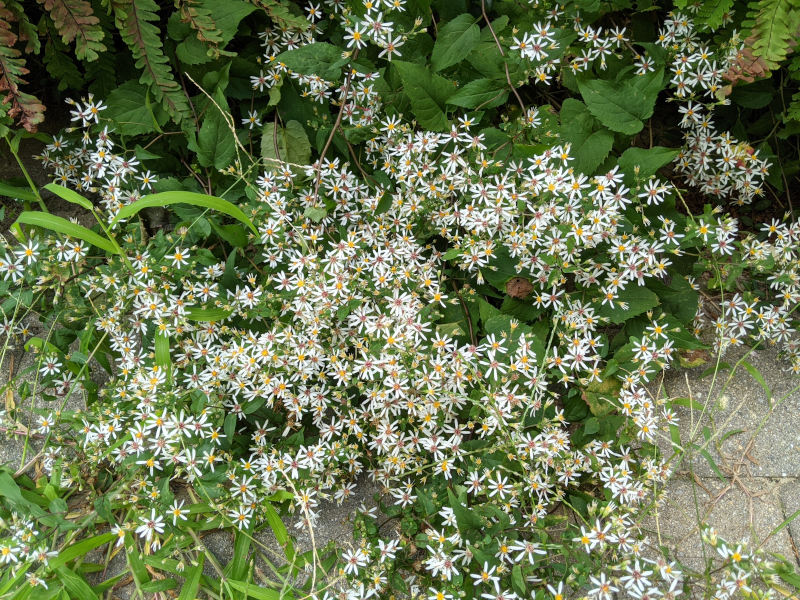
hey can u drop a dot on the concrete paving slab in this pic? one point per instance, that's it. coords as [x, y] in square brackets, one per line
[748, 515]
[739, 404]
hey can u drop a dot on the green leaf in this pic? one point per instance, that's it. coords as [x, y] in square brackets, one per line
[321, 58]
[81, 548]
[679, 297]
[292, 144]
[759, 378]
[467, 519]
[590, 143]
[226, 14]
[189, 589]
[592, 426]
[481, 93]
[279, 529]
[599, 395]
[127, 108]
[77, 586]
[17, 193]
[69, 228]
[637, 299]
[168, 198]
[207, 314]
[455, 41]
[162, 351]
[648, 160]
[428, 93]
[69, 195]
[254, 591]
[241, 549]
[215, 144]
[159, 585]
[315, 214]
[622, 106]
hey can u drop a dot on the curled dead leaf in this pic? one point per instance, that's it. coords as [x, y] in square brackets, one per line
[519, 287]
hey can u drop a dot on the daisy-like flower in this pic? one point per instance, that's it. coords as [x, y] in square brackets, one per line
[252, 119]
[150, 526]
[179, 257]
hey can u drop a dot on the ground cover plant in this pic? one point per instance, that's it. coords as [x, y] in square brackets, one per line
[444, 246]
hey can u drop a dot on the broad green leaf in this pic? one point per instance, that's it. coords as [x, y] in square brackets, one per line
[215, 144]
[315, 214]
[599, 395]
[590, 143]
[168, 198]
[207, 314]
[678, 297]
[189, 589]
[428, 93]
[321, 58]
[481, 93]
[292, 144]
[637, 301]
[227, 15]
[468, 520]
[622, 106]
[455, 41]
[69, 195]
[648, 160]
[127, 108]
[69, 228]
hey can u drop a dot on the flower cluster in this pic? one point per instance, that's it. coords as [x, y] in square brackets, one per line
[360, 330]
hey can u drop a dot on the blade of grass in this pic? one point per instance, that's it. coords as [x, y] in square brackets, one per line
[167, 198]
[69, 228]
[193, 579]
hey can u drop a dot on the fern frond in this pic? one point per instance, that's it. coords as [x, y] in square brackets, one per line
[103, 74]
[28, 32]
[75, 20]
[774, 30]
[12, 68]
[199, 18]
[281, 14]
[135, 22]
[56, 58]
[713, 12]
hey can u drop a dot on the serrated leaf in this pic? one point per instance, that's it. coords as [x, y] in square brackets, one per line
[321, 58]
[215, 144]
[599, 395]
[637, 300]
[481, 93]
[649, 160]
[127, 108]
[455, 41]
[292, 143]
[428, 93]
[75, 21]
[622, 105]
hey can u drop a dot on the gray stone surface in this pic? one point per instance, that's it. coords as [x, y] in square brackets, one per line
[755, 445]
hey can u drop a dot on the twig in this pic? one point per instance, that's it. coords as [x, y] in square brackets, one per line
[505, 64]
[333, 131]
